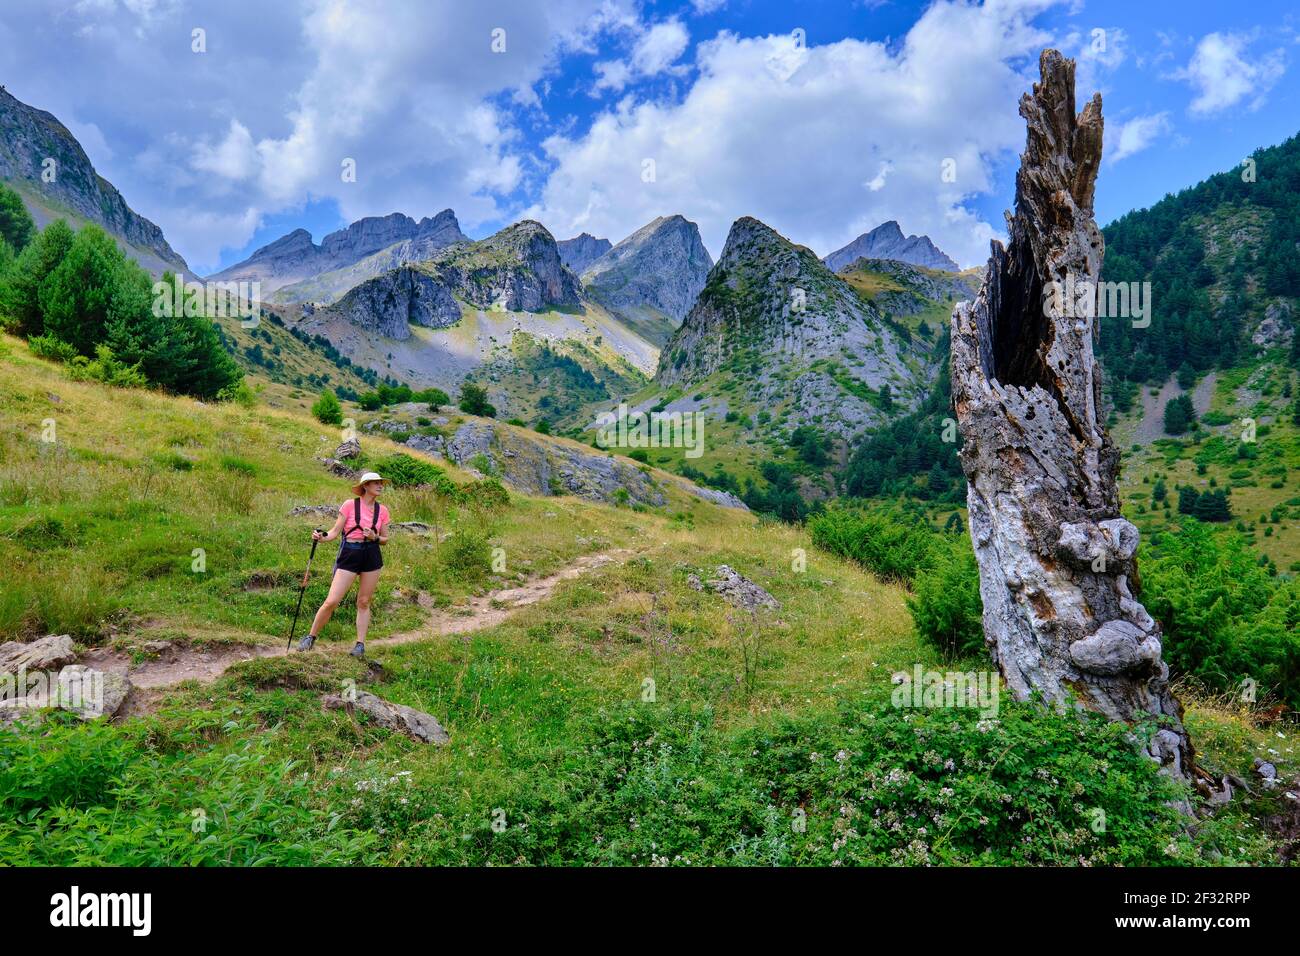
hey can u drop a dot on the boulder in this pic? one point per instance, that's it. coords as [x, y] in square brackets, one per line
[90, 693]
[416, 724]
[741, 591]
[46, 653]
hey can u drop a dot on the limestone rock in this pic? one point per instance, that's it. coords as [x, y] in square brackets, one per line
[580, 251]
[90, 693]
[416, 724]
[740, 591]
[44, 654]
[663, 265]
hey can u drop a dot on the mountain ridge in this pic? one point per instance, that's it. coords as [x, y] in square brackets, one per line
[295, 258]
[31, 139]
[887, 241]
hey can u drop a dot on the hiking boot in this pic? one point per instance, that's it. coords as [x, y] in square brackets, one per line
[360, 650]
[306, 643]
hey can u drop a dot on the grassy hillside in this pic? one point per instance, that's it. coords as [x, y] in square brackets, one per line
[628, 718]
[1261, 477]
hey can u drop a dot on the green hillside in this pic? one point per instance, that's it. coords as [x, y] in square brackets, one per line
[620, 693]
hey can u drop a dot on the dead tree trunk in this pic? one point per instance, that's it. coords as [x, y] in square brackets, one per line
[1058, 572]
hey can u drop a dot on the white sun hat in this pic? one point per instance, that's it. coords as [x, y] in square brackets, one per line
[360, 487]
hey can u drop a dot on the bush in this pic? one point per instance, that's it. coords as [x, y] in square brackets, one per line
[327, 409]
[474, 401]
[487, 493]
[107, 368]
[467, 554]
[404, 471]
[49, 347]
[890, 546]
[946, 606]
[876, 786]
[1225, 617]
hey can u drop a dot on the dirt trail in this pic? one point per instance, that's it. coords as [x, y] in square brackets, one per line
[204, 666]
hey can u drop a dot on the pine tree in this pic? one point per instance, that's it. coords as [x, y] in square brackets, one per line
[16, 225]
[20, 290]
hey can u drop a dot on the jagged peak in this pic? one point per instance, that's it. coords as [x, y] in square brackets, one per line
[298, 239]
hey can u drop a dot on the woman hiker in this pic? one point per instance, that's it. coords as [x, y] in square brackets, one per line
[363, 522]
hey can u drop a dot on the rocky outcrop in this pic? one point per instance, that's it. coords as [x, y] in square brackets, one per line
[28, 138]
[294, 259]
[416, 724]
[581, 251]
[791, 335]
[1057, 561]
[396, 300]
[40, 675]
[887, 241]
[663, 266]
[517, 269]
[737, 589]
[535, 465]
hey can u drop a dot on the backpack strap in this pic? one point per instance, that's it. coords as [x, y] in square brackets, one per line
[356, 511]
[374, 518]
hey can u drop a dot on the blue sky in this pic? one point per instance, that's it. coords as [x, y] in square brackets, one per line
[823, 118]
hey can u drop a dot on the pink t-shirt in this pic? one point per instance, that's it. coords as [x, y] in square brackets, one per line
[349, 512]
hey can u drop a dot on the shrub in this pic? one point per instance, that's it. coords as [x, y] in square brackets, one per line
[49, 347]
[891, 547]
[946, 606]
[467, 554]
[1225, 617]
[403, 471]
[474, 401]
[327, 409]
[487, 493]
[107, 368]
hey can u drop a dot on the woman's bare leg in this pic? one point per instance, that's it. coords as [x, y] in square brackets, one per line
[369, 579]
[338, 588]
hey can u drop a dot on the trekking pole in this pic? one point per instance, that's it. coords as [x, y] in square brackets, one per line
[301, 591]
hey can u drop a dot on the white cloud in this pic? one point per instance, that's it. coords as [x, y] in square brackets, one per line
[820, 142]
[209, 146]
[1223, 73]
[659, 47]
[1135, 135]
[234, 158]
[656, 50]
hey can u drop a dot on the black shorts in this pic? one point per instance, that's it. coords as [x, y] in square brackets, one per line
[359, 557]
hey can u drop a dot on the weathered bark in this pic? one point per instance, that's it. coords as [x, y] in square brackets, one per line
[1058, 573]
